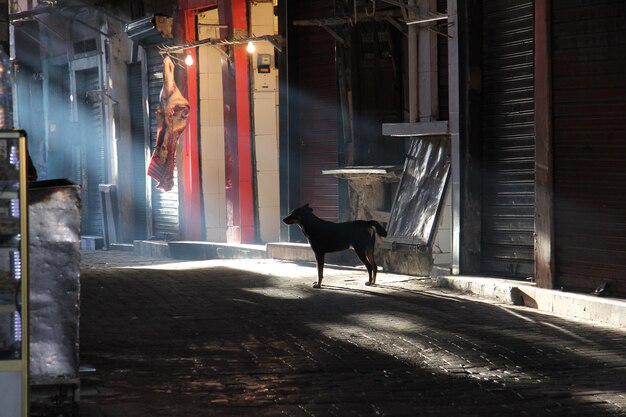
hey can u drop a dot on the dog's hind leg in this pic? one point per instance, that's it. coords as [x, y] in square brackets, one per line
[370, 257]
[369, 253]
[362, 254]
[319, 259]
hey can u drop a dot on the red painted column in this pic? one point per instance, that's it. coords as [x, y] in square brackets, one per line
[192, 192]
[246, 199]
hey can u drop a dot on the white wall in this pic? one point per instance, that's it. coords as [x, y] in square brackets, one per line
[265, 98]
[212, 131]
[265, 110]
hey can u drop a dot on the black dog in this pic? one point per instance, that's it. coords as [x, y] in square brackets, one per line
[325, 236]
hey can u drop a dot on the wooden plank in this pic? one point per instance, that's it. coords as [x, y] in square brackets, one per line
[544, 212]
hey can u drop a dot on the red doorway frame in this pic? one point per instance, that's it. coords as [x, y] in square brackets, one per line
[237, 124]
[192, 189]
[237, 136]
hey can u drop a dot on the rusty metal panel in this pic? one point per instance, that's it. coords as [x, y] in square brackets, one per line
[416, 208]
[507, 247]
[54, 261]
[589, 130]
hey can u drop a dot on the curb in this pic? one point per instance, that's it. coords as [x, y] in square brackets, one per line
[609, 311]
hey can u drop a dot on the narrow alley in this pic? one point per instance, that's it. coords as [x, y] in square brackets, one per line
[253, 338]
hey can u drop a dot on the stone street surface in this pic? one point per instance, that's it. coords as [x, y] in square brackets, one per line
[253, 338]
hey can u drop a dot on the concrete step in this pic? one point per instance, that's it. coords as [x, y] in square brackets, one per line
[290, 251]
[151, 248]
[125, 247]
[198, 250]
[194, 250]
[302, 252]
[91, 242]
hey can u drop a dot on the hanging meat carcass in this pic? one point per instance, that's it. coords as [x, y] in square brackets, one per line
[172, 117]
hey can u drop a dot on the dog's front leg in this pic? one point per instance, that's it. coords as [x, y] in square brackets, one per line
[319, 259]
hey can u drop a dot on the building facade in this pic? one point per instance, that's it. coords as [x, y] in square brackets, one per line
[93, 75]
[338, 107]
[542, 87]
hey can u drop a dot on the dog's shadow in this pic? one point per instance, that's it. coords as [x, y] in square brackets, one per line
[344, 266]
[398, 291]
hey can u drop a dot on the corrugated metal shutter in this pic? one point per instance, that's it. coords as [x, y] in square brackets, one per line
[164, 205]
[92, 150]
[317, 109]
[589, 128]
[508, 138]
[135, 94]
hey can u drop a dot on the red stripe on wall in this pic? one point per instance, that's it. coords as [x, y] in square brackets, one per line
[239, 187]
[191, 207]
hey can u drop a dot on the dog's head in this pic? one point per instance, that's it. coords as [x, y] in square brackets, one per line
[295, 217]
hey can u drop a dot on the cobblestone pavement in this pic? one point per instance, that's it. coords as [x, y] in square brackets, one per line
[252, 338]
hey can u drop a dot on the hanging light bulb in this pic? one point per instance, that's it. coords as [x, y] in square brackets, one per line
[189, 60]
[250, 48]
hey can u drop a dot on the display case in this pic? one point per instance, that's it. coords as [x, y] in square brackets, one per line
[14, 357]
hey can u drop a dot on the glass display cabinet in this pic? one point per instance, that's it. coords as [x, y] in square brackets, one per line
[14, 357]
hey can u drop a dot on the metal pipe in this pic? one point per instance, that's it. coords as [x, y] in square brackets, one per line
[454, 128]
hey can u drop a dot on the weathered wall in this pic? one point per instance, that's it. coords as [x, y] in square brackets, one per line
[265, 98]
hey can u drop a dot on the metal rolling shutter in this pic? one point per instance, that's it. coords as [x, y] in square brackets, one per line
[589, 133]
[164, 205]
[317, 111]
[92, 152]
[508, 138]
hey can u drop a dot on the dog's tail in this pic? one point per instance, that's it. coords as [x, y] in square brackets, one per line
[379, 228]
